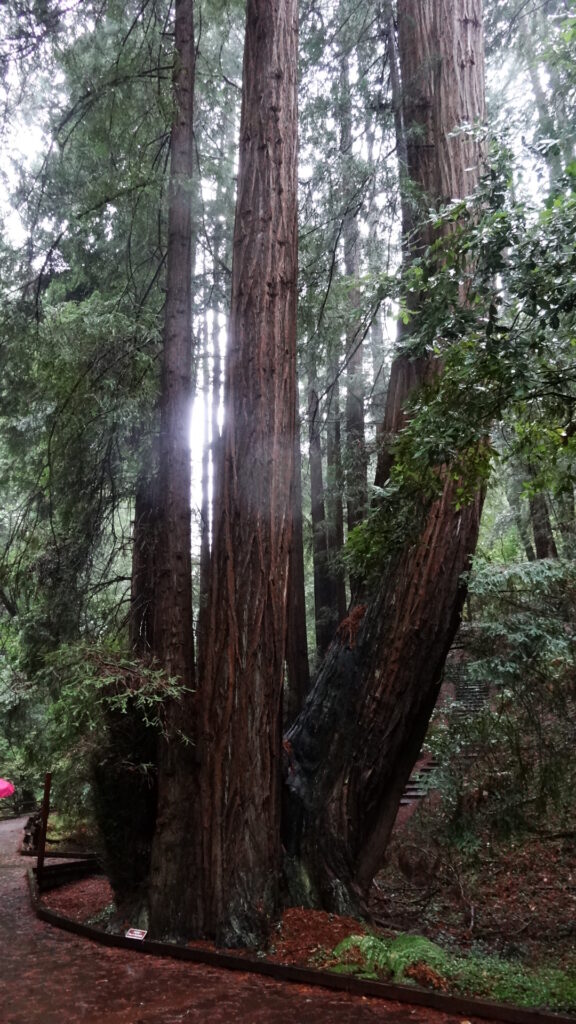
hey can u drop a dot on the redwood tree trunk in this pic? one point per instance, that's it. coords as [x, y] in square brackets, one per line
[351, 750]
[355, 453]
[235, 844]
[170, 886]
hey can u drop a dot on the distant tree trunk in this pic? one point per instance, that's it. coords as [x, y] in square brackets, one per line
[377, 345]
[350, 752]
[544, 543]
[123, 771]
[326, 616]
[531, 35]
[141, 622]
[297, 665]
[355, 455]
[205, 503]
[567, 520]
[171, 892]
[334, 494]
[235, 852]
[213, 384]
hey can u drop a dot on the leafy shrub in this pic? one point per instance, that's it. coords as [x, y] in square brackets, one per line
[488, 977]
[512, 760]
[379, 957]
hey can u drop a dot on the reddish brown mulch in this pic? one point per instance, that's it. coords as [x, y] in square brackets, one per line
[51, 977]
[304, 937]
[82, 901]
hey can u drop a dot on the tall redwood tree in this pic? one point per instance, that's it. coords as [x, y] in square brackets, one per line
[351, 750]
[172, 636]
[235, 846]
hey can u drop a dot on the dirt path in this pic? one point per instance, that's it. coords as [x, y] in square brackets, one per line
[48, 976]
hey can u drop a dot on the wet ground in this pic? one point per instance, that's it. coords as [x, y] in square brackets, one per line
[48, 976]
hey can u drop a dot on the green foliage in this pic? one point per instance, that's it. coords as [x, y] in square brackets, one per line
[506, 346]
[520, 651]
[391, 958]
[488, 977]
[90, 686]
[22, 721]
[62, 721]
[68, 466]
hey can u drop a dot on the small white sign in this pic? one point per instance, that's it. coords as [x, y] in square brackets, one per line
[136, 933]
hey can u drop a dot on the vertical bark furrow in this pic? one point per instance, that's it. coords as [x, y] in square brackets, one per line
[239, 695]
[169, 893]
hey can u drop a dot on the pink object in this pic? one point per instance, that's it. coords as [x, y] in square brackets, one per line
[6, 788]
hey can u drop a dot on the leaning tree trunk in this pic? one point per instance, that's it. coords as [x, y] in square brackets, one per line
[235, 846]
[170, 892]
[350, 752]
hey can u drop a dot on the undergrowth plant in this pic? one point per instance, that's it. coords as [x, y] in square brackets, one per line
[512, 760]
[96, 685]
[409, 958]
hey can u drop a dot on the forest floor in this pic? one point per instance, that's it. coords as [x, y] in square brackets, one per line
[514, 898]
[517, 900]
[48, 976]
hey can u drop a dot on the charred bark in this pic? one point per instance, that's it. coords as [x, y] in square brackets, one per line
[351, 751]
[124, 799]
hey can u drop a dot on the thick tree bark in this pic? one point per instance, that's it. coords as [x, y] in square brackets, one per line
[441, 56]
[235, 845]
[170, 894]
[351, 750]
